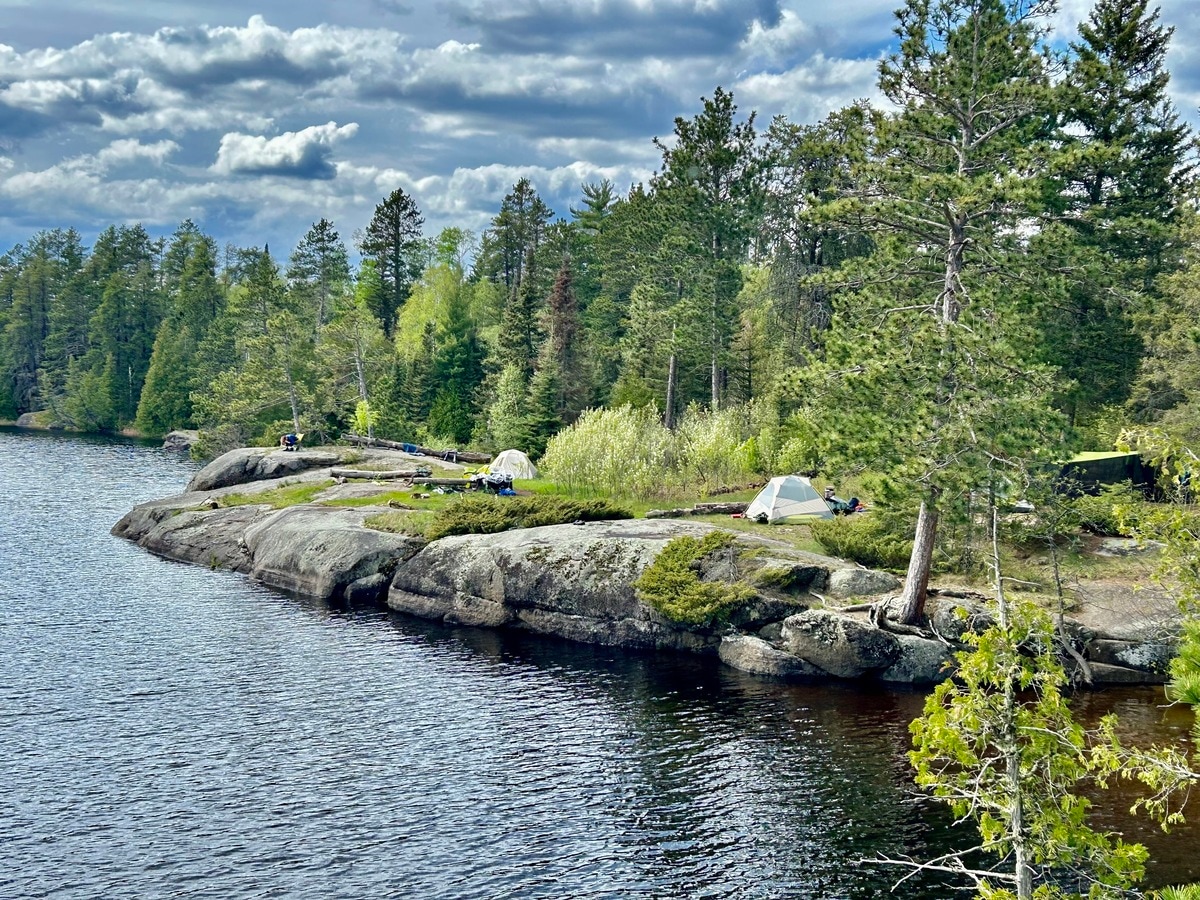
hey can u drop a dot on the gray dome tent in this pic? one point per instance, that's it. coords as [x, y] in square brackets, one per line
[786, 499]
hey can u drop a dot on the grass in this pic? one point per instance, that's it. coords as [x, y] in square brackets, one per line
[280, 497]
[401, 522]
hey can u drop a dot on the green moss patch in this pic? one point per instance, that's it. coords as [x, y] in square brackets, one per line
[280, 497]
[672, 585]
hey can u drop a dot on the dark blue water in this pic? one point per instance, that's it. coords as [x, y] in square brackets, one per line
[170, 731]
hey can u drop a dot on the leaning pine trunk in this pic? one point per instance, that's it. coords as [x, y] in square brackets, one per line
[912, 600]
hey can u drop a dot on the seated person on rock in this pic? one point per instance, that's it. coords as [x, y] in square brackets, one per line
[290, 441]
[840, 507]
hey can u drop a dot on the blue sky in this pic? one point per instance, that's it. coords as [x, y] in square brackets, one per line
[257, 120]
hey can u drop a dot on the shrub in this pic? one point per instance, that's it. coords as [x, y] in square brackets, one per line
[488, 514]
[709, 450]
[672, 585]
[618, 452]
[1114, 512]
[867, 539]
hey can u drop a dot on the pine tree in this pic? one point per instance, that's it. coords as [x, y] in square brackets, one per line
[711, 180]
[319, 271]
[1124, 173]
[508, 421]
[925, 375]
[562, 346]
[393, 240]
[457, 373]
[545, 391]
[508, 254]
[519, 332]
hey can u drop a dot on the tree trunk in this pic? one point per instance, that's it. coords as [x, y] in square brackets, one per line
[669, 416]
[716, 356]
[916, 582]
[362, 388]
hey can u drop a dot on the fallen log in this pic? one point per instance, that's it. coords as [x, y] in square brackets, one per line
[447, 455]
[377, 476]
[708, 509]
[700, 509]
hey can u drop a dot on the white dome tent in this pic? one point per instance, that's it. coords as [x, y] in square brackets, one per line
[514, 463]
[786, 499]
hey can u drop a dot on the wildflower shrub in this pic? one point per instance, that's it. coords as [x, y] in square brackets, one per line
[627, 452]
[672, 585]
[622, 452]
[487, 514]
[709, 450]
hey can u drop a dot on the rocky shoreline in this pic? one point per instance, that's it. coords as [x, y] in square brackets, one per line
[576, 581]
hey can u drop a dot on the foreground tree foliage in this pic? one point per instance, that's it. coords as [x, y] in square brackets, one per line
[999, 745]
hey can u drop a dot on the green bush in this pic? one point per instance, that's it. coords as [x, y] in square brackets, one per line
[672, 585]
[488, 514]
[868, 539]
[1114, 512]
[617, 452]
[710, 452]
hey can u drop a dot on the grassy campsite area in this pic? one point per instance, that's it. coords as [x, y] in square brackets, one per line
[1064, 541]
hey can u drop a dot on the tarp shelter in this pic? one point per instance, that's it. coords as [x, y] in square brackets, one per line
[514, 463]
[788, 498]
[1088, 471]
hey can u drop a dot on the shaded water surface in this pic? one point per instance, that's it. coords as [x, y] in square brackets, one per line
[169, 731]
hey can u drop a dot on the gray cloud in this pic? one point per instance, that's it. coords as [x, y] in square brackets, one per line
[615, 28]
[164, 109]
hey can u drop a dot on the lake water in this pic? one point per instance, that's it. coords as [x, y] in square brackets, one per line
[171, 731]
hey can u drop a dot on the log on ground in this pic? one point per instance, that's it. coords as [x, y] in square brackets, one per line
[449, 455]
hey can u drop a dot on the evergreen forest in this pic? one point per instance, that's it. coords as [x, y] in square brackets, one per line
[1003, 264]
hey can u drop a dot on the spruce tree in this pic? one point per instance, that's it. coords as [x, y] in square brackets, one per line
[393, 241]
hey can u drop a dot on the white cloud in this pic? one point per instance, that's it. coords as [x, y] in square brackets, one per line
[777, 44]
[808, 93]
[130, 150]
[303, 154]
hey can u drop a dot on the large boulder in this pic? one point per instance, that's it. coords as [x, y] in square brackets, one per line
[181, 440]
[845, 583]
[258, 464]
[574, 581]
[1104, 674]
[921, 661]
[747, 653]
[839, 644]
[321, 551]
[1144, 656]
[952, 617]
[206, 537]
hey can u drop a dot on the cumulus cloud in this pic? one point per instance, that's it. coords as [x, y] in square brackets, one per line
[781, 43]
[123, 126]
[161, 79]
[809, 92]
[294, 154]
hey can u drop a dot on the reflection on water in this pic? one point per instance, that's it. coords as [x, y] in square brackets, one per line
[174, 731]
